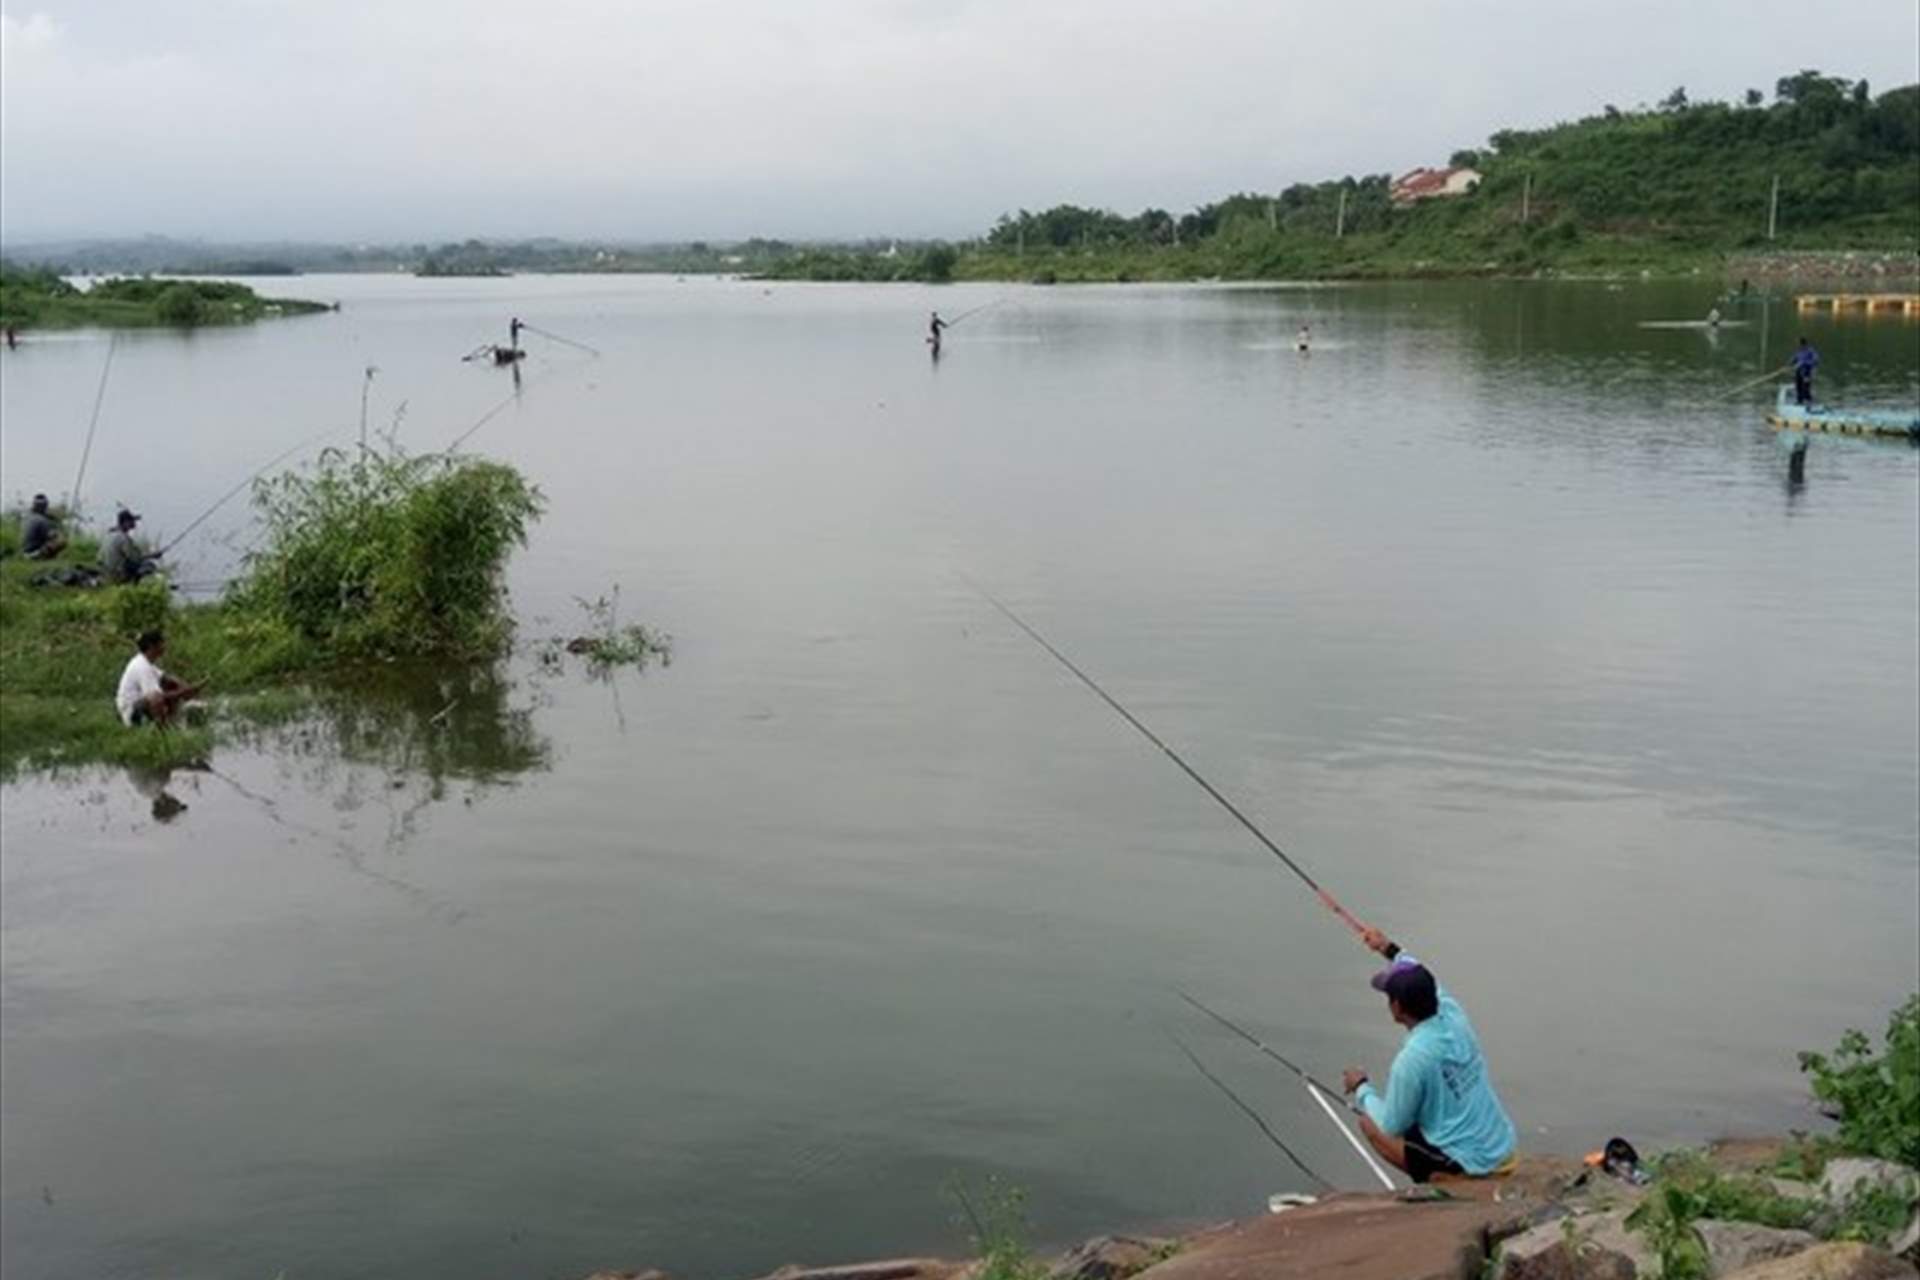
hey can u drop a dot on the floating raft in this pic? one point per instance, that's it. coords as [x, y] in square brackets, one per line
[1907, 304]
[1902, 424]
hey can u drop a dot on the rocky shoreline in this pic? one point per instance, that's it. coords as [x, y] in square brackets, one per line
[1551, 1219]
[1888, 269]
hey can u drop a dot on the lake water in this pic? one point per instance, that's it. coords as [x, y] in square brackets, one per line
[1487, 609]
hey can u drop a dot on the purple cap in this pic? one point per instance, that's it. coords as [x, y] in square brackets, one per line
[1404, 978]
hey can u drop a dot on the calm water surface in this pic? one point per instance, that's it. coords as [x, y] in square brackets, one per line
[1486, 608]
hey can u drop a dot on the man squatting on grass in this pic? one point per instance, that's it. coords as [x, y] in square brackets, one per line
[148, 695]
[1439, 1113]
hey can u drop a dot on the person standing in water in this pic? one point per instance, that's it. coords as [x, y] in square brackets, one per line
[935, 327]
[513, 333]
[1303, 339]
[1805, 361]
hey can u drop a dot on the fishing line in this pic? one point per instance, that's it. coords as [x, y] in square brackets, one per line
[99, 397]
[534, 328]
[1326, 899]
[1250, 1113]
[1319, 1089]
[254, 475]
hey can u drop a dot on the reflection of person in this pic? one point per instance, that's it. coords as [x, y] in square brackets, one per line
[1439, 1113]
[40, 537]
[1805, 361]
[148, 695]
[122, 558]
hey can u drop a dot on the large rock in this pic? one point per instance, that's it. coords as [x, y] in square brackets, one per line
[1354, 1237]
[1733, 1245]
[1831, 1262]
[1852, 1176]
[1594, 1246]
[1110, 1258]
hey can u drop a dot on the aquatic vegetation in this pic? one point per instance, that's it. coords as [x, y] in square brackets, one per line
[608, 643]
[376, 553]
[997, 1218]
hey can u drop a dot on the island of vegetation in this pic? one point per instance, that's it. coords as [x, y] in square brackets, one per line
[39, 298]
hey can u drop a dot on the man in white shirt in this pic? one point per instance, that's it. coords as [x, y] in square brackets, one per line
[147, 694]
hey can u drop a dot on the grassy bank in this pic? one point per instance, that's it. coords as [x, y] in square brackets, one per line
[43, 300]
[366, 558]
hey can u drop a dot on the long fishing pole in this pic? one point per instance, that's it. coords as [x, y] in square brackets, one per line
[1251, 1114]
[973, 311]
[1326, 899]
[534, 328]
[1772, 373]
[99, 397]
[251, 477]
[1319, 1091]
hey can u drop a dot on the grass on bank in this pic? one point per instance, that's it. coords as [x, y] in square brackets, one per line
[371, 557]
[40, 299]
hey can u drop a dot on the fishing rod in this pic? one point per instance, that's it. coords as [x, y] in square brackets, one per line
[1772, 373]
[1250, 1113]
[974, 311]
[1326, 899]
[534, 328]
[1319, 1091]
[252, 476]
[99, 397]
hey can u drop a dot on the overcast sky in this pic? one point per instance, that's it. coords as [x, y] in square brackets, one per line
[428, 119]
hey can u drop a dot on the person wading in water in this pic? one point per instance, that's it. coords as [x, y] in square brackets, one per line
[1439, 1113]
[935, 327]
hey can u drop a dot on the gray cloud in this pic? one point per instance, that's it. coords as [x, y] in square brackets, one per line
[676, 118]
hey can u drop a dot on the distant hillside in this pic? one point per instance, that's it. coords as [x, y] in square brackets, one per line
[1671, 187]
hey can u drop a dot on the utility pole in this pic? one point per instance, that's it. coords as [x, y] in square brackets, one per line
[1273, 217]
[1340, 218]
[1020, 242]
[1773, 208]
[1526, 200]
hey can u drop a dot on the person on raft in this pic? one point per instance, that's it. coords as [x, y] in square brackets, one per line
[1439, 1113]
[122, 558]
[934, 328]
[148, 695]
[1805, 361]
[40, 536]
[513, 333]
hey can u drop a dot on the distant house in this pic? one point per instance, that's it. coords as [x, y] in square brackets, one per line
[1431, 184]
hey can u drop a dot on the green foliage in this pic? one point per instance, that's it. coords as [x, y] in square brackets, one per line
[936, 264]
[1666, 1217]
[41, 299]
[998, 1219]
[180, 305]
[609, 644]
[1874, 1214]
[376, 554]
[140, 606]
[1877, 1096]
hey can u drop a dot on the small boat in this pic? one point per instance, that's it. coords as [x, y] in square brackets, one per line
[1903, 424]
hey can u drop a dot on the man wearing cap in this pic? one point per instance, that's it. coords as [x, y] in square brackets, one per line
[1439, 1113]
[122, 557]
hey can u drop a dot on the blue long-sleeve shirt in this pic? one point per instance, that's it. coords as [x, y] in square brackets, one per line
[1439, 1082]
[1805, 360]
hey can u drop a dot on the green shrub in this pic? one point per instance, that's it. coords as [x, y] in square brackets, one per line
[180, 305]
[140, 606]
[1877, 1097]
[384, 555]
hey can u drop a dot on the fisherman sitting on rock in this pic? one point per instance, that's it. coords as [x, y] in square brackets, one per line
[1439, 1113]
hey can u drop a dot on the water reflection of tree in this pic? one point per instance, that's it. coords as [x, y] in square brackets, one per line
[402, 736]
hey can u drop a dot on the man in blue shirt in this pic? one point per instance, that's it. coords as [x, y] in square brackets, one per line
[1439, 1113]
[1805, 361]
